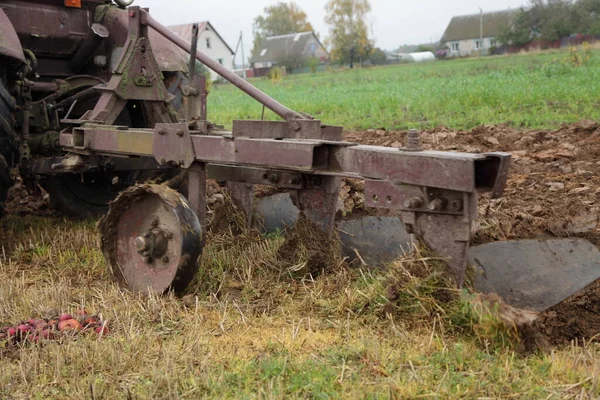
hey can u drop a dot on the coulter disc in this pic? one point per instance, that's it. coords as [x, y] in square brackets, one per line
[151, 239]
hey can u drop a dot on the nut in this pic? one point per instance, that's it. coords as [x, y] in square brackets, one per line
[165, 259]
[456, 205]
[413, 202]
[180, 133]
[162, 132]
[437, 205]
[296, 126]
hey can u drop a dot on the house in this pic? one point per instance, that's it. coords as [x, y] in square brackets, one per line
[464, 34]
[294, 49]
[209, 42]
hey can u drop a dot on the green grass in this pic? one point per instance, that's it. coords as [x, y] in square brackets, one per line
[532, 90]
[256, 331]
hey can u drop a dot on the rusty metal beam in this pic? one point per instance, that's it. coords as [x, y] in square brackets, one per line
[462, 172]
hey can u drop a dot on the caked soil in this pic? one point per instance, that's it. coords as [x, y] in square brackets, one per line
[553, 190]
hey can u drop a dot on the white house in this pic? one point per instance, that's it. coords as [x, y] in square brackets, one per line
[209, 42]
[476, 33]
[297, 46]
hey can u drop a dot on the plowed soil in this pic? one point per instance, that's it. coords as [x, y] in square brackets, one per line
[553, 190]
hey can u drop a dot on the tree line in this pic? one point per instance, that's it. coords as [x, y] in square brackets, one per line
[552, 20]
[349, 35]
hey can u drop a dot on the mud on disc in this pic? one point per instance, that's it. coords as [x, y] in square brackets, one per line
[151, 239]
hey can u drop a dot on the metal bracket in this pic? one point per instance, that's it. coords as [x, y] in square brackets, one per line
[173, 144]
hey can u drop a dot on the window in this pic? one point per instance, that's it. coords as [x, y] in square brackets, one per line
[493, 43]
[478, 44]
[208, 44]
[263, 52]
[454, 46]
[220, 60]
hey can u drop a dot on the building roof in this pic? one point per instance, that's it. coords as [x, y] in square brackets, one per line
[273, 47]
[185, 31]
[468, 26]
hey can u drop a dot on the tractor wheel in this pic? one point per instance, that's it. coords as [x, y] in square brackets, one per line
[8, 143]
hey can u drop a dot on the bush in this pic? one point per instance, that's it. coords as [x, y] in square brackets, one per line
[275, 74]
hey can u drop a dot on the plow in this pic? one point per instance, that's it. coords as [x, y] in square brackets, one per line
[100, 98]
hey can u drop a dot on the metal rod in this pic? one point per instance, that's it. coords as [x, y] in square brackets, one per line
[194, 49]
[272, 104]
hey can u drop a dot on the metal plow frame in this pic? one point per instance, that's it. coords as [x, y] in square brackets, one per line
[434, 193]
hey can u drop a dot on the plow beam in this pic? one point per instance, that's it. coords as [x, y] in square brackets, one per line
[434, 193]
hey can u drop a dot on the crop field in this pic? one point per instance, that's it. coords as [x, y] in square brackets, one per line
[530, 91]
[259, 324]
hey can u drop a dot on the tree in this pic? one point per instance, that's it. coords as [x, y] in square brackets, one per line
[378, 57]
[552, 20]
[280, 19]
[348, 30]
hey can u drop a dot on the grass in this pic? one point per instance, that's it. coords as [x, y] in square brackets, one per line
[531, 90]
[257, 331]
[254, 326]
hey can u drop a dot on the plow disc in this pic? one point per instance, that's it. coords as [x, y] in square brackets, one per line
[151, 239]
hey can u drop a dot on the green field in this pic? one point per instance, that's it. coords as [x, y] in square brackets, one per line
[256, 326]
[532, 91]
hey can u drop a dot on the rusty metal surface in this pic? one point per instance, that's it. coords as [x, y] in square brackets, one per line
[168, 56]
[10, 45]
[319, 202]
[448, 235]
[445, 170]
[496, 166]
[197, 192]
[264, 152]
[173, 143]
[307, 129]
[258, 176]
[440, 170]
[48, 29]
[151, 239]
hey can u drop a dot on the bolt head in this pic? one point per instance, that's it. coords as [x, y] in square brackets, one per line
[296, 126]
[180, 133]
[162, 160]
[141, 245]
[456, 205]
[162, 132]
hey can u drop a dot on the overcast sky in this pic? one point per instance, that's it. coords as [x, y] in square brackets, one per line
[394, 22]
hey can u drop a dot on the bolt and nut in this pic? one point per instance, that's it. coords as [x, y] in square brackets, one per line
[438, 204]
[413, 142]
[456, 205]
[413, 202]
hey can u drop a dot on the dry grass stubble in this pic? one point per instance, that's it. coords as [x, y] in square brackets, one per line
[252, 327]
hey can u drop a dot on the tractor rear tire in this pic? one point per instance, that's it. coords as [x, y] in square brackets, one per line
[8, 143]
